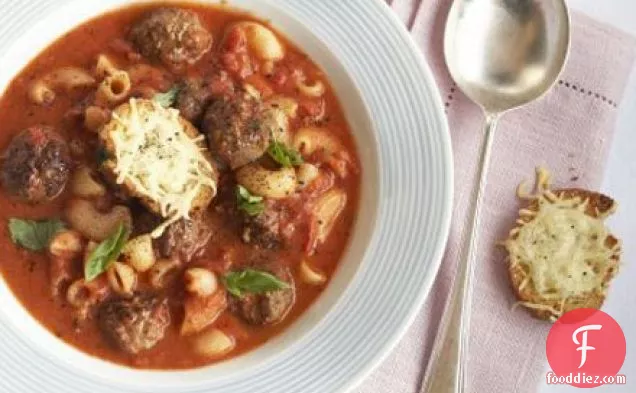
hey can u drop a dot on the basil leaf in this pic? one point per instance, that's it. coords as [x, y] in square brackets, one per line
[33, 235]
[168, 98]
[105, 253]
[285, 156]
[252, 281]
[252, 205]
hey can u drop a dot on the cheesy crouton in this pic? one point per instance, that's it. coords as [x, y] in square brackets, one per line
[159, 158]
[561, 256]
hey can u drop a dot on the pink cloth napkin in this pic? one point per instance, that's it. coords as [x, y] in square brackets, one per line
[569, 131]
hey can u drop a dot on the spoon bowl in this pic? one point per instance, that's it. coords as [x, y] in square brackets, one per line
[506, 53]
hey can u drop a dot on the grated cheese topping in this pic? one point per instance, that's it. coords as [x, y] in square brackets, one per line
[161, 161]
[563, 248]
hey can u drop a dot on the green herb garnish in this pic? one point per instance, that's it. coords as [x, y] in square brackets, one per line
[252, 205]
[167, 98]
[105, 253]
[285, 156]
[34, 235]
[252, 281]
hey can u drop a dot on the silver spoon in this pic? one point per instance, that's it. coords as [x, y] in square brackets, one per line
[502, 54]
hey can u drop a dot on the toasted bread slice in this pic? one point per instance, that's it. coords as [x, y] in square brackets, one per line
[159, 158]
[560, 254]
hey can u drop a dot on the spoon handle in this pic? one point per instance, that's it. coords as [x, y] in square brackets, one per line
[446, 372]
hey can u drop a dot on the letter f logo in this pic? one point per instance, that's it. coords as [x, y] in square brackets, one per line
[584, 347]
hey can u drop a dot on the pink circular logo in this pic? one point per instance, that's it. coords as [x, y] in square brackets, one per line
[585, 348]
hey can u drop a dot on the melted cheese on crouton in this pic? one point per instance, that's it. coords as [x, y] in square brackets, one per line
[563, 248]
[155, 154]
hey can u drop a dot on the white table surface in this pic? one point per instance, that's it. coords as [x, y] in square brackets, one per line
[620, 183]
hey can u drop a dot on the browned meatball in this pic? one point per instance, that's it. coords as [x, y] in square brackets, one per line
[36, 165]
[173, 36]
[186, 238]
[197, 93]
[136, 324]
[234, 125]
[266, 308]
[264, 229]
[182, 240]
[193, 99]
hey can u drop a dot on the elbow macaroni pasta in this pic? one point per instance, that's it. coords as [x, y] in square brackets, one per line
[95, 117]
[274, 184]
[311, 139]
[122, 279]
[327, 210]
[44, 90]
[113, 89]
[213, 343]
[317, 89]
[200, 282]
[306, 174]
[105, 67]
[82, 294]
[66, 244]
[84, 185]
[311, 275]
[139, 253]
[93, 224]
[161, 271]
[262, 41]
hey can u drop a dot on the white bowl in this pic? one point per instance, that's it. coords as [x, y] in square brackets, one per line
[391, 102]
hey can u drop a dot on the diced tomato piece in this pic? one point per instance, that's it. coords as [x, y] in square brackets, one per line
[279, 79]
[321, 184]
[238, 64]
[125, 48]
[297, 74]
[221, 84]
[201, 312]
[338, 165]
[235, 41]
[144, 75]
[231, 63]
[312, 107]
[233, 326]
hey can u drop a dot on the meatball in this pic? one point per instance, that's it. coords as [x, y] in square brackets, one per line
[173, 36]
[184, 239]
[266, 308]
[197, 93]
[136, 324]
[234, 125]
[193, 99]
[36, 165]
[263, 230]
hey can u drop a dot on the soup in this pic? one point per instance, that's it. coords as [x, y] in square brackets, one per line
[178, 185]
